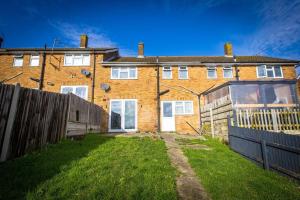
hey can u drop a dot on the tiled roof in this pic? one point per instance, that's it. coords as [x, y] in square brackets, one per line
[203, 59]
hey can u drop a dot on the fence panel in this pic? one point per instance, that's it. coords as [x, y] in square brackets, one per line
[6, 94]
[281, 153]
[29, 119]
[269, 119]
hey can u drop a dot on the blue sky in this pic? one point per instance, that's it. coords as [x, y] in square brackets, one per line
[167, 27]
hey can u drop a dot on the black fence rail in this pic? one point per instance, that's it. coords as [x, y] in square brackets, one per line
[276, 151]
[29, 119]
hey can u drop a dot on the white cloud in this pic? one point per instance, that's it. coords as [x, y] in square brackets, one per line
[279, 30]
[70, 34]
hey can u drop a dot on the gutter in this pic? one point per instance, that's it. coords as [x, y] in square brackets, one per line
[108, 64]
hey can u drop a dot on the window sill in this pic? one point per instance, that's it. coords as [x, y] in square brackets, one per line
[77, 65]
[123, 78]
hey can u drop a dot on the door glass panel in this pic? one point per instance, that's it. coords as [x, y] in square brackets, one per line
[116, 110]
[167, 110]
[130, 114]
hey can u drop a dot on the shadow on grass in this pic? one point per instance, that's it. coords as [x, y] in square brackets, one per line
[19, 176]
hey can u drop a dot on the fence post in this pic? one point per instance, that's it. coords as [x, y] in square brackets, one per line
[264, 154]
[212, 123]
[274, 120]
[10, 123]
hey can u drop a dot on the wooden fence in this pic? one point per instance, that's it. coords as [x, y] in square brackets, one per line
[30, 118]
[287, 119]
[276, 151]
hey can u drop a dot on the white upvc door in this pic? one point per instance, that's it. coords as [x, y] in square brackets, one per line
[123, 115]
[167, 116]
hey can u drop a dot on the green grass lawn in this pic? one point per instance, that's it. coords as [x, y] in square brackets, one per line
[227, 175]
[94, 168]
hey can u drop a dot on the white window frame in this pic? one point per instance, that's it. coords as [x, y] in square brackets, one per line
[77, 54]
[227, 68]
[184, 111]
[266, 71]
[164, 69]
[33, 55]
[18, 56]
[210, 68]
[74, 89]
[128, 71]
[180, 69]
[122, 116]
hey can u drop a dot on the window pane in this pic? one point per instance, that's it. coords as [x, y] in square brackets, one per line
[227, 72]
[179, 107]
[86, 59]
[66, 90]
[81, 92]
[261, 71]
[34, 60]
[277, 70]
[132, 72]
[114, 73]
[188, 107]
[183, 74]
[77, 60]
[123, 74]
[68, 60]
[270, 73]
[167, 74]
[167, 109]
[115, 115]
[129, 115]
[211, 73]
[18, 61]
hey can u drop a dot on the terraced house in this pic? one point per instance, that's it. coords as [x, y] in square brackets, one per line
[146, 93]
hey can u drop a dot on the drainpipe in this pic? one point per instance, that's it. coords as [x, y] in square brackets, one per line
[236, 70]
[199, 110]
[158, 95]
[41, 85]
[93, 81]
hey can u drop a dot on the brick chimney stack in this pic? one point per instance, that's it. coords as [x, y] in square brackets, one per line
[83, 41]
[228, 49]
[141, 50]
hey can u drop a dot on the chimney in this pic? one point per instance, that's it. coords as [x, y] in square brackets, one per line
[141, 50]
[1, 41]
[83, 41]
[228, 49]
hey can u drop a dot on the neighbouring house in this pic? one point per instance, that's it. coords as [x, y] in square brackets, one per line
[142, 93]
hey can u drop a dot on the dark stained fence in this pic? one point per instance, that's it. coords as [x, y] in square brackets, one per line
[276, 151]
[29, 119]
[83, 116]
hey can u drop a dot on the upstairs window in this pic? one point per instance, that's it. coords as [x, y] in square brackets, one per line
[184, 107]
[227, 72]
[167, 73]
[18, 61]
[183, 72]
[123, 73]
[211, 72]
[77, 60]
[264, 71]
[81, 91]
[34, 60]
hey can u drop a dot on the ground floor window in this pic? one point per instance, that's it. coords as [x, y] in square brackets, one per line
[183, 107]
[123, 115]
[79, 90]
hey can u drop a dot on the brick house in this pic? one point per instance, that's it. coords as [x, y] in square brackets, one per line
[137, 93]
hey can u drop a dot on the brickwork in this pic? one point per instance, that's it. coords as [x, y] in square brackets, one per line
[143, 89]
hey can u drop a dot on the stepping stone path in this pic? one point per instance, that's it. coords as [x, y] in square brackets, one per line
[187, 184]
